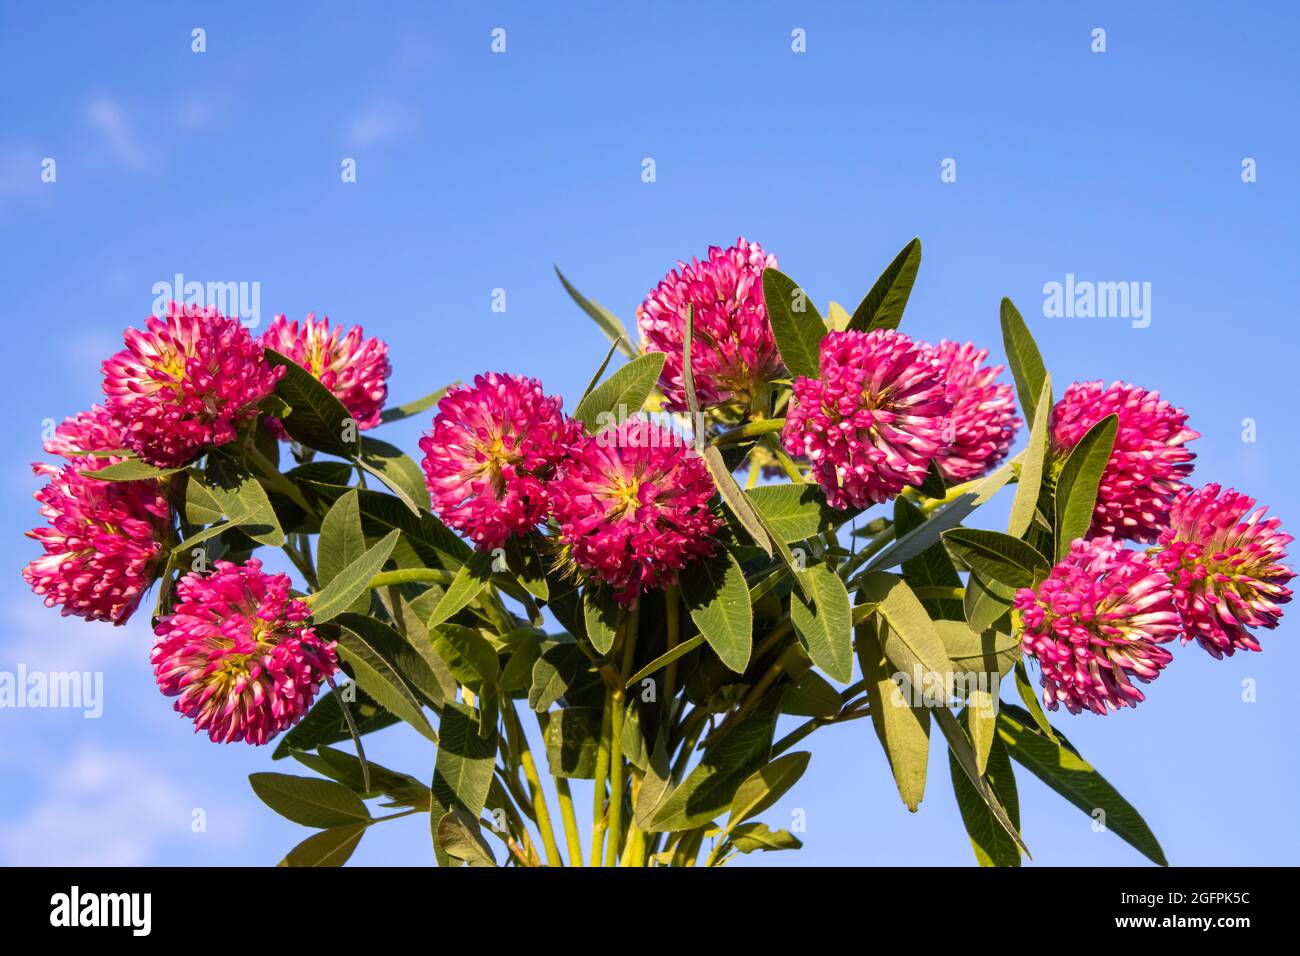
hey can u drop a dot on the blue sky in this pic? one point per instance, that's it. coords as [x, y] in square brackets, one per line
[476, 171]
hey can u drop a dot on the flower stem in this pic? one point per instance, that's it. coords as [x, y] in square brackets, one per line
[571, 835]
[410, 575]
[749, 430]
[598, 814]
[616, 765]
[520, 747]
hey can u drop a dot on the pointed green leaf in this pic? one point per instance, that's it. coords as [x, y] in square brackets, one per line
[825, 624]
[397, 413]
[1030, 482]
[338, 595]
[309, 801]
[319, 420]
[368, 646]
[622, 394]
[1076, 488]
[793, 512]
[766, 786]
[992, 845]
[332, 847]
[602, 615]
[1074, 778]
[609, 323]
[469, 582]
[996, 556]
[718, 601]
[710, 787]
[796, 325]
[395, 469]
[882, 307]
[902, 726]
[1023, 356]
[461, 837]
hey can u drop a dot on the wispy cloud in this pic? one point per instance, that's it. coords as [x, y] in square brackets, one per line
[117, 138]
[382, 121]
[101, 808]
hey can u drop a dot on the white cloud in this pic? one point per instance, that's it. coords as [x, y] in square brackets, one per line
[196, 113]
[100, 809]
[380, 122]
[107, 117]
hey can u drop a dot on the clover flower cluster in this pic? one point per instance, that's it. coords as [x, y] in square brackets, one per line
[236, 651]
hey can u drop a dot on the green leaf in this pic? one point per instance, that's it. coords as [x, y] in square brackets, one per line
[325, 724]
[369, 646]
[749, 837]
[796, 325]
[1076, 488]
[462, 775]
[396, 470]
[960, 747]
[825, 625]
[469, 582]
[1030, 482]
[718, 601]
[916, 541]
[130, 470]
[403, 789]
[341, 543]
[882, 307]
[602, 615]
[902, 726]
[425, 542]
[1030, 697]
[996, 556]
[229, 489]
[663, 660]
[332, 847]
[572, 741]
[1023, 356]
[740, 506]
[461, 837]
[974, 653]
[622, 394]
[931, 568]
[933, 487]
[793, 512]
[810, 696]
[319, 420]
[554, 673]
[338, 595]
[600, 372]
[399, 412]
[986, 602]
[709, 788]
[992, 845]
[309, 801]
[911, 642]
[1074, 779]
[608, 322]
[765, 786]
[468, 654]
[528, 567]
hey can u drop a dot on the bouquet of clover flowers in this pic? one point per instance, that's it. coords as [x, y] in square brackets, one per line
[656, 577]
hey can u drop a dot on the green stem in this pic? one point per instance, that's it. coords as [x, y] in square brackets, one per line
[599, 817]
[571, 835]
[616, 764]
[519, 745]
[273, 476]
[673, 613]
[764, 426]
[938, 592]
[409, 576]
